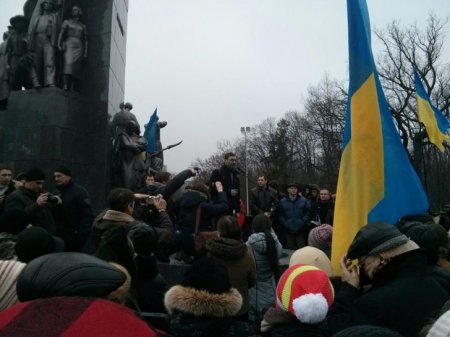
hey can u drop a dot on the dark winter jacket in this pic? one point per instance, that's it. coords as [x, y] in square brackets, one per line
[7, 244]
[277, 323]
[75, 215]
[238, 259]
[198, 313]
[187, 212]
[11, 188]
[151, 285]
[294, 214]
[402, 298]
[25, 199]
[322, 212]
[230, 181]
[167, 190]
[111, 219]
[262, 200]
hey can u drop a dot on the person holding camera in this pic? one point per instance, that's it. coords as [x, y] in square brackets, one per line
[37, 203]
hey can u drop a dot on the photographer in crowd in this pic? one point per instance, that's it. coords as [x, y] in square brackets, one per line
[36, 203]
[121, 202]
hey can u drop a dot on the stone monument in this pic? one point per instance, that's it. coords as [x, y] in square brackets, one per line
[48, 127]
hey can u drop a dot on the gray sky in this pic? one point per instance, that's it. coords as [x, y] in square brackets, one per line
[212, 66]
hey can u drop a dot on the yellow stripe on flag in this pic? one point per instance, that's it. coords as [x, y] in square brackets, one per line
[361, 173]
[427, 117]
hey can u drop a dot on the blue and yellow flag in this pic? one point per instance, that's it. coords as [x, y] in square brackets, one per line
[376, 180]
[150, 132]
[433, 119]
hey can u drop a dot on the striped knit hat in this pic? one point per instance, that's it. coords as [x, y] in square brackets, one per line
[305, 292]
[72, 317]
[9, 271]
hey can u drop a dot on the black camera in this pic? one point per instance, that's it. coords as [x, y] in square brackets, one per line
[51, 198]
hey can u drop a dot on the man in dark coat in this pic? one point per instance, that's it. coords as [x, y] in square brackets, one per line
[7, 185]
[402, 296]
[76, 214]
[120, 213]
[262, 198]
[35, 202]
[229, 178]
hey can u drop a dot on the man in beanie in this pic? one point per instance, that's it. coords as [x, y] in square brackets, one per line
[32, 199]
[401, 297]
[293, 213]
[76, 214]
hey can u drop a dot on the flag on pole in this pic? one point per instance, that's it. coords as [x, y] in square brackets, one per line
[376, 180]
[150, 132]
[433, 119]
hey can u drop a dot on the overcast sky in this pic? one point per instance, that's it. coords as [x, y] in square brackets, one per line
[212, 66]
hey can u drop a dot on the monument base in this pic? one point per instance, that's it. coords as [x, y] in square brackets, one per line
[49, 127]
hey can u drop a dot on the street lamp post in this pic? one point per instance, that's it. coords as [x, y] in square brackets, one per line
[245, 130]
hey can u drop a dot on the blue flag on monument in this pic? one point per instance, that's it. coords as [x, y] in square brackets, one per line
[150, 132]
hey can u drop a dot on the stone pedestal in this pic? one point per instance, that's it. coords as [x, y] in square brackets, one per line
[50, 127]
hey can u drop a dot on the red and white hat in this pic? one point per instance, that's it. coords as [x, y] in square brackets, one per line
[305, 292]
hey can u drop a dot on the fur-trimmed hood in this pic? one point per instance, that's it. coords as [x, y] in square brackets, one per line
[117, 216]
[202, 303]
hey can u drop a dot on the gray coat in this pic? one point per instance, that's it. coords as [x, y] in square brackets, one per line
[263, 293]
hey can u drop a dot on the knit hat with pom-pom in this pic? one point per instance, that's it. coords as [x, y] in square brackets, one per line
[305, 292]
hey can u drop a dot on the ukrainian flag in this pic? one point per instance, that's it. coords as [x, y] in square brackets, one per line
[150, 132]
[434, 121]
[376, 180]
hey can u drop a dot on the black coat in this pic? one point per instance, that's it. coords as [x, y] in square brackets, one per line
[402, 298]
[277, 323]
[262, 200]
[75, 215]
[151, 285]
[25, 200]
[11, 188]
[230, 181]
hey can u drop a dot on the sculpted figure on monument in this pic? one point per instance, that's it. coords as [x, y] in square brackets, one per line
[19, 61]
[121, 119]
[43, 35]
[129, 162]
[72, 41]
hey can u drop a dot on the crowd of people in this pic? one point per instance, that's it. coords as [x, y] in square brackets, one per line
[57, 253]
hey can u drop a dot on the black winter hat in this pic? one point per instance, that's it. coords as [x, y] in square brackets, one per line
[292, 184]
[208, 274]
[36, 241]
[64, 170]
[144, 238]
[34, 174]
[375, 238]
